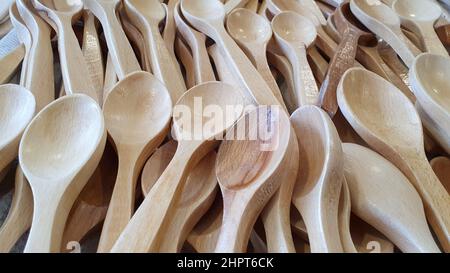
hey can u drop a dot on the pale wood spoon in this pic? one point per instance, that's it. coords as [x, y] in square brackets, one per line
[252, 5]
[146, 16]
[197, 197]
[4, 8]
[19, 217]
[184, 54]
[253, 32]
[420, 17]
[208, 17]
[441, 167]
[137, 115]
[12, 53]
[145, 231]
[352, 33]
[249, 180]
[40, 77]
[24, 37]
[59, 151]
[384, 198]
[123, 57]
[17, 108]
[385, 23]
[73, 64]
[319, 181]
[432, 91]
[344, 216]
[398, 137]
[197, 42]
[231, 5]
[294, 33]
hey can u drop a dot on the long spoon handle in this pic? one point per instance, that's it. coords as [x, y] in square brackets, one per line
[74, 67]
[404, 47]
[341, 62]
[121, 206]
[431, 40]
[203, 68]
[305, 83]
[20, 215]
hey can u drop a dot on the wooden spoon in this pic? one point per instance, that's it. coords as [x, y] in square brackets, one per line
[344, 216]
[352, 33]
[249, 180]
[17, 107]
[12, 53]
[110, 77]
[441, 167]
[197, 43]
[384, 22]
[252, 5]
[146, 16]
[185, 57]
[420, 17]
[443, 33]
[252, 33]
[123, 57]
[19, 217]
[59, 151]
[145, 231]
[398, 137]
[137, 115]
[208, 17]
[383, 197]
[276, 214]
[320, 176]
[197, 197]
[294, 33]
[231, 5]
[40, 77]
[433, 93]
[24, 37]
[4, 8]
[73, 64]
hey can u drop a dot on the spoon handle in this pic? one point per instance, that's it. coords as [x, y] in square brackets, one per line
[432, 42]
[73, 65]
[145, 231]
[325, 42]
[121, 205]
[403, 47]
[304, 81]
[203, 68]
[343, 59]
[20, 215]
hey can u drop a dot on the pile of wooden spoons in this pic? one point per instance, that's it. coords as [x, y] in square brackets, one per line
[225, 126]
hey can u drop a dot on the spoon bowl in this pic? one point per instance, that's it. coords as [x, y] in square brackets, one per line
[17, 107]
[246, 26]
[58, 153]
[294, 28]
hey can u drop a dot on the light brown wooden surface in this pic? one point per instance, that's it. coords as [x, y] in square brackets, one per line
[344, 214]
[441, 167]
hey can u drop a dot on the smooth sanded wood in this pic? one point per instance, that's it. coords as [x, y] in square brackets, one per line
[253, 32]
[420, 16]
[344, 216]
[137, 115]
[385, 23]
[145, 231]
[383, 197]
[17, 108]
[441, 167]
[319, 181]
[186, 59]
[370, 110]
[24, 36]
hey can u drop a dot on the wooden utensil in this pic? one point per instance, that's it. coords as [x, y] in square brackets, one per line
[441, 167]
[146, 16]
[344, 214]
[145, 231]
[319, 181]
[249, 180]
[16, 110]
[383, 197]
[294, 33]
[24, 37]
[433, 93]
[110, 77]
[230, 5]
[198, 194]
[443, 33]
[384, 22]
[122, 54]
[252, 33]
[91, 206]
[276, 214]
[4, 9]
[92, 52]
[40, 77]
[137, 115]
[73, 64]
[170, 28]
[12, 52]
[59, 151]
[352, 33]
[252, 5]
[208, 16]
[398, 137]
[197, 43]
[185, 57]
[420, 17]
[19, 217]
